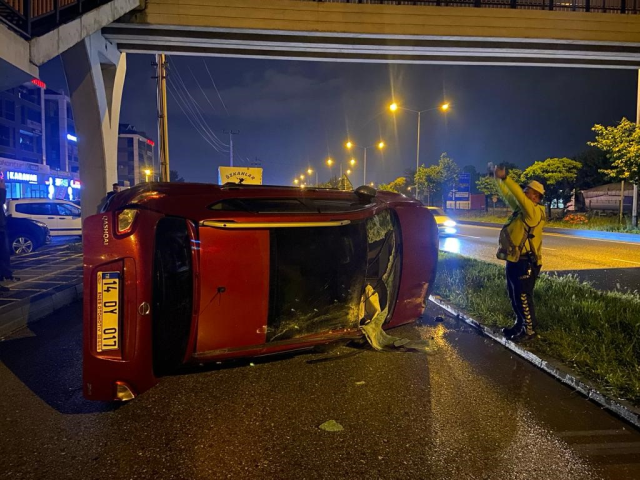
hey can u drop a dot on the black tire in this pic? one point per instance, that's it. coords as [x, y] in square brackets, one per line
[22, 243]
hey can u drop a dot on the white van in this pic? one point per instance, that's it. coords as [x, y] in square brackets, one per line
[61, 216]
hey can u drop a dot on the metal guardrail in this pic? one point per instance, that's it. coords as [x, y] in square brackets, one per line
[36, 17]
[596, 6]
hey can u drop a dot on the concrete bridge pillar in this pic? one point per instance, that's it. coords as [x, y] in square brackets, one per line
[95, 72]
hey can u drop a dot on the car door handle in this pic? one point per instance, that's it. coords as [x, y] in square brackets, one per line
[62, 218]
[51, 218]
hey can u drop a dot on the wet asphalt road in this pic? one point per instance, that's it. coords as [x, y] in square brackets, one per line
[471, 410]
[608, 264]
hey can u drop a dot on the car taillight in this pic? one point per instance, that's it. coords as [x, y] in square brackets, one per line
[125, 220]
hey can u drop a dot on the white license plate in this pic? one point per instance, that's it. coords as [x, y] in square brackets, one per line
[108, 318]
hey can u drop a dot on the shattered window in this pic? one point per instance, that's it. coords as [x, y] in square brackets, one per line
[321, 277]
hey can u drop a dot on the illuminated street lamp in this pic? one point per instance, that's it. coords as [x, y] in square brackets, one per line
[147, 172]
[296, 181]
[443, 107]
[310, 171]
[349, 144]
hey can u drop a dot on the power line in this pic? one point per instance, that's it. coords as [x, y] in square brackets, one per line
[196, 108]
[214, 86]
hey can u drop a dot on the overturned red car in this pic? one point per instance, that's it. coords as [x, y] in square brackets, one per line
[188, 273]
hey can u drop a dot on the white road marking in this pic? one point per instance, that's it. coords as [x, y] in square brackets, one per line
[625, 261]
[469, 236]
[547, 248]
[575, 237]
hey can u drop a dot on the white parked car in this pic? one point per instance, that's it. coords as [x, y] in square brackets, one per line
[61, 216]
[446, 226]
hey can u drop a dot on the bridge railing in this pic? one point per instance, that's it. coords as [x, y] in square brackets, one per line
[596, 6]
[36, 17]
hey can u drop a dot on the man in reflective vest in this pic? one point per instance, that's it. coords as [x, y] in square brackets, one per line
[521, 247]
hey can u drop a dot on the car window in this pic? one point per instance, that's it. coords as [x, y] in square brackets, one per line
[68, 210]
[437, 211]
[36, 208]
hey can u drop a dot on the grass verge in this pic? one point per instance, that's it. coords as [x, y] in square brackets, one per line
[575, 221]
[595, 333]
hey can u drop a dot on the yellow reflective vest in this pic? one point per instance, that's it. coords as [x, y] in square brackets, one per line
[526, 215]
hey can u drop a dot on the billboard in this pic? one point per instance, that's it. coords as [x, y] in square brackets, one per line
[247, 175]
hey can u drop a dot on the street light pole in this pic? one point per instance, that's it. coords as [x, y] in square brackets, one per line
[364, 169]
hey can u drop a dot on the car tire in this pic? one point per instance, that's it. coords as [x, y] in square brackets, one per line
[22, 244]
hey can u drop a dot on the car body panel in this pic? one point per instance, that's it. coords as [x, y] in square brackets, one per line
[235, 255]
[61, 216]
[36, 231]
[234, 288]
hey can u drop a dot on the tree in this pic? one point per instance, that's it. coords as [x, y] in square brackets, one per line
[398, 185]
[488, 186]
[428, 180]
[174, 176]
[593, 161]
[622, 146]
[559, 175]
[449, 173]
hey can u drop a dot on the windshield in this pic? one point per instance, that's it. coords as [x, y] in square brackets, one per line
[437, 211]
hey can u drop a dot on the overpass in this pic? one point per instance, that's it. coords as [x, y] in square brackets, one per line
[94, 43]
[524, 32]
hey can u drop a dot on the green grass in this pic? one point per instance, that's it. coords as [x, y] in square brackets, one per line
[595, 333]
[603, 224]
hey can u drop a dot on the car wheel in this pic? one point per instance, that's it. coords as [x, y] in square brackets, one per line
[22, 244]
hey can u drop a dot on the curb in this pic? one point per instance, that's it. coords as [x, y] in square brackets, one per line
[30, 310]
[624, 411]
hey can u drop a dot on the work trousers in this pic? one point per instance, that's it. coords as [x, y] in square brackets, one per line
[521, 280]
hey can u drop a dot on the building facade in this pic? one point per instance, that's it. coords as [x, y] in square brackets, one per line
[61, 143]
[135, 157]
[24, 154]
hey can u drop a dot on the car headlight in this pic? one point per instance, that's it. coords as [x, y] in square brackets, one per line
[450, 223]
[40, 224]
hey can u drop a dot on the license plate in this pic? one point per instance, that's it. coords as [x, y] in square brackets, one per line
[108, 310]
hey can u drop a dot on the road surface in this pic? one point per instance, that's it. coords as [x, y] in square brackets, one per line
[471, 410]
[608, 264]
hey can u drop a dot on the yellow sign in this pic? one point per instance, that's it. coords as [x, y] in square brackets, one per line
[250, 176]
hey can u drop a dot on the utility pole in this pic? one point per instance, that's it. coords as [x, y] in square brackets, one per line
[163, 126]
[231, 134]
[634, 211]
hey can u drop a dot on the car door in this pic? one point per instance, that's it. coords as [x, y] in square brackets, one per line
[45, 212]
[69, 221]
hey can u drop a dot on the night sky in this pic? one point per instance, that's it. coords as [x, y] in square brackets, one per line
[292, 115]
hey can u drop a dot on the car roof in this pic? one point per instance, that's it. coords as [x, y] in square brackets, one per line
[37, 200]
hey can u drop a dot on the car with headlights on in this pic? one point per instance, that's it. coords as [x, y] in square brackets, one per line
[178, 274]
[446, 225]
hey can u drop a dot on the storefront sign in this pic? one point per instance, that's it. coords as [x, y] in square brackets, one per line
[21, 177]
[251, 176]
[19, 165]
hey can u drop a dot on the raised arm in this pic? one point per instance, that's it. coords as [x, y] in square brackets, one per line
[506, 195]
[528, 207]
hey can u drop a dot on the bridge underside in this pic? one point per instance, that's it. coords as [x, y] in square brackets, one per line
[358, 32]
[345, 47]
